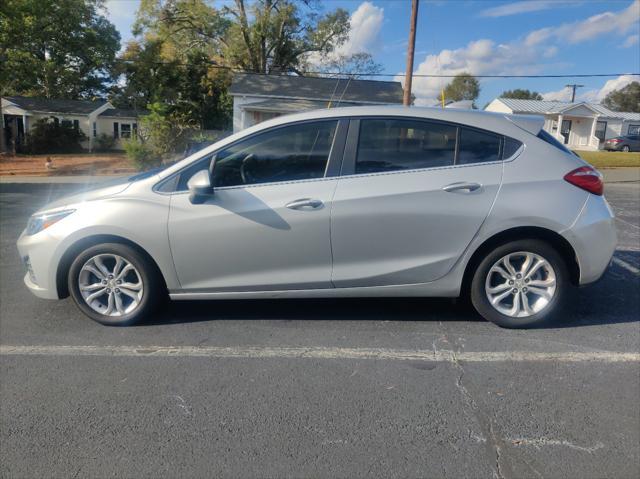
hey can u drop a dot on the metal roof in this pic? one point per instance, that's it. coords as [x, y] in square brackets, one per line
[48, 105]
[317, 88]
[291, 105]
[551, 107]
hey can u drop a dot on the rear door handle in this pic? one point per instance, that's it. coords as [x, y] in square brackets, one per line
[305, 204]
[462, 187]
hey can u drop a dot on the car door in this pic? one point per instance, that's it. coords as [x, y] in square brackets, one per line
[412, 196]
[266, 226]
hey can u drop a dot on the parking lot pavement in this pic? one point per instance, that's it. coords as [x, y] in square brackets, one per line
[323, 388]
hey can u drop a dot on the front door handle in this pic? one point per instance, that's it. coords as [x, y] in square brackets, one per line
[462, 187]
[305, 204]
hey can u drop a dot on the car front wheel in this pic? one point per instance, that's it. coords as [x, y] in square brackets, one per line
[520, 284]
[114, 284]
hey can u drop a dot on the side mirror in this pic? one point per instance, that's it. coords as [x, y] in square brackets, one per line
[200, 187]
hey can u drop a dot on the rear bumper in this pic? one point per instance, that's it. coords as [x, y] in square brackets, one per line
[593, 237]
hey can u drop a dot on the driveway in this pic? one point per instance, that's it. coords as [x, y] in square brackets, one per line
[320, 388]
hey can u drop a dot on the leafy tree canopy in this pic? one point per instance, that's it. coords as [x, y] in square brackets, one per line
[56, 48]
[625, 99]
[463, 87]
[521, 94]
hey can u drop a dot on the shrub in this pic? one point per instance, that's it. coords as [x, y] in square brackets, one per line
[48, 136]
[140, 154]
[165, 132]
[104, 142]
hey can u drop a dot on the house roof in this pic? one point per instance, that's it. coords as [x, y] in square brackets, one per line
[48, 105]
[316, 88]
[122, 113]
[543, 106]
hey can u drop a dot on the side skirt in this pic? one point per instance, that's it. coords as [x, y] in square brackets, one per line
[435, 289]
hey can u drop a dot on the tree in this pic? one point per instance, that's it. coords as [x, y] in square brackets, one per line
[625, 99]
[56, 48]
[521, 94]
[348, 66]
[463, 87]
[279, 35]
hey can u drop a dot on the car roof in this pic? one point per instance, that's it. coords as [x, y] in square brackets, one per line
[501, 123]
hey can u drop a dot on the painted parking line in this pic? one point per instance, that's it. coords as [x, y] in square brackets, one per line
[623, 264]
[319, 353]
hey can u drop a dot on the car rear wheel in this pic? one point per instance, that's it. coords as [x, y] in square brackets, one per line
[114, 284]
[626, 148]
[520, 284]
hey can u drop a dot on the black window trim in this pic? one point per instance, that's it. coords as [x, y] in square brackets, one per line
[351, 147]
[333, 168]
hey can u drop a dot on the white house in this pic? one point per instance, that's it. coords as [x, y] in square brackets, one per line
[93, 118]
[580, 125]
[258, 98]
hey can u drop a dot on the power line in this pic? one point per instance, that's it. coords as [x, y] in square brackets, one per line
[354, 74]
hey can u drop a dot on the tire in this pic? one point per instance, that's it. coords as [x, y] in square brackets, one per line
[126, 306]
[626, 148]
[539, 313]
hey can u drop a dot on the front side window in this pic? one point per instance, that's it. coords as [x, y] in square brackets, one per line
[291, 153]
[398, 144]
[477, 147]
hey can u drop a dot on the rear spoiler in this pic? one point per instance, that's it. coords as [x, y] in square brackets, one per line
[531, 123]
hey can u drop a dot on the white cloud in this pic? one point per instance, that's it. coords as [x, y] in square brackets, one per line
[597, 96]
[521, 7]
[365, 24]
[531, 55]
[604, 23]
[631, 40]
[478, 58]
[559, 95]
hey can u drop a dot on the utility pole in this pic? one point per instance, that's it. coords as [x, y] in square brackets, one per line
[406, 100]
[573, 90]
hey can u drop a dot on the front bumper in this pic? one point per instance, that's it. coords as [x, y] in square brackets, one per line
[594, 238]
[37, 254]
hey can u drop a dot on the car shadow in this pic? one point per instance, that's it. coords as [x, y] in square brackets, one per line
[613, 299]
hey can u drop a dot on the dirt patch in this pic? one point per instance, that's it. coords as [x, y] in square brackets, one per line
[65, 165]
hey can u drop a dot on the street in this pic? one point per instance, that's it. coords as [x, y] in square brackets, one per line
[319, 388]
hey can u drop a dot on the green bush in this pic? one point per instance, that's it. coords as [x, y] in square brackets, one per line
[140, 154]
[48, 136]
[104, 142]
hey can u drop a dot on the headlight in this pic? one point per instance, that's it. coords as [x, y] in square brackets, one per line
[41, 222]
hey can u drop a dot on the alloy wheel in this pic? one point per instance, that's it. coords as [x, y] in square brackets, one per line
[110, 285]
[520, 284]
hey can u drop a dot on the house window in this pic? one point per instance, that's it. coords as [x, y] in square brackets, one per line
[633, 130]
[125, 130]
[76, 125]
[95, 129]
[601, 130]
[116, 131]
[135, 129]
[66, 124]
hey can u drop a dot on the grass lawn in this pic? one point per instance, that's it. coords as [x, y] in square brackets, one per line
[610, 159]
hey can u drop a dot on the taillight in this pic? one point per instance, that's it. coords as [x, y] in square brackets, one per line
[587, 178]
[615, 140]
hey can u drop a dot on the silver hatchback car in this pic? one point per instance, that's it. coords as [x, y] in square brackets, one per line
[345, 202]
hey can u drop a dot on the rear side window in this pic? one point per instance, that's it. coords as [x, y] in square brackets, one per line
[398, 144]
[478, 147]
[510, 147]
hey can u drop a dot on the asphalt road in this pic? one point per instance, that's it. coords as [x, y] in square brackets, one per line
[322, 388]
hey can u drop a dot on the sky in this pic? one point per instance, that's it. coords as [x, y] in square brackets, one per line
[484, 37]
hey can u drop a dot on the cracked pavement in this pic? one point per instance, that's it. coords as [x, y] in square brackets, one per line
[319, 388]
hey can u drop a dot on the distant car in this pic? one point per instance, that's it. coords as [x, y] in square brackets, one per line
[623, 143]
[345, 202]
